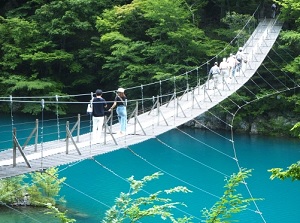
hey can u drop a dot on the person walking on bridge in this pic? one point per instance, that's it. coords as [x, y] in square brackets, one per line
[99, 104]
[240, 58]
[232, 62]
[224, 69]
[214, 73]
[121, 103]
[273, 8]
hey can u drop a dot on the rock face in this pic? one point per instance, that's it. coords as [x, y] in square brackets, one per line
[270, 124]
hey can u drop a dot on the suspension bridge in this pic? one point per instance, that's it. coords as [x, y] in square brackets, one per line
[167, 112]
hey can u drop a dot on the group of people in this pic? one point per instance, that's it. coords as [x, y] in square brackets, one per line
[99, 105]
[228, 67]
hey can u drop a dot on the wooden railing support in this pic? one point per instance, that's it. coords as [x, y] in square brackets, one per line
[69, 136]
[106, 120]
[15, 146]
[77, 125]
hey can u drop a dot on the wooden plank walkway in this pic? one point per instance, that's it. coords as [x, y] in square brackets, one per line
[162, 119]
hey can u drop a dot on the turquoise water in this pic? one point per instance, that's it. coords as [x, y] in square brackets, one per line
[201, 164]
[53, 128]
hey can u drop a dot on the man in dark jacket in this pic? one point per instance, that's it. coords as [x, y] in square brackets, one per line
[99, 104]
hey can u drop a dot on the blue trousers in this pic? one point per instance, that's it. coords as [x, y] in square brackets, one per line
[122, 117]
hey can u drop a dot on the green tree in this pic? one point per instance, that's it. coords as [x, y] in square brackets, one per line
[45, 187]
[62, 216]
[46, 48]
[20, 50]
[127, 207]
[296, 129]
[290, 47]
[231, 202]
[130, 207]
[12, 190]
[292, 172]
[290, 13]
[151, 39]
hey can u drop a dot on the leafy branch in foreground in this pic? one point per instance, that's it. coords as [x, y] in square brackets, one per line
[296, 129]
[58, 214]
[128, 208]
[292, 172]
[231, 202]
[45, 187]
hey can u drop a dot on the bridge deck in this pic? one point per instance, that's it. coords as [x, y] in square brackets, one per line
[177, 112]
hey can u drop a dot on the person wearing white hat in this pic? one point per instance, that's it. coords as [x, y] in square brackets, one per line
[214, 73]
[121, 103]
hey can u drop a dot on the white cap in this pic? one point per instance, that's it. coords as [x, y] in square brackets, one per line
[121, 90]
[241, 48]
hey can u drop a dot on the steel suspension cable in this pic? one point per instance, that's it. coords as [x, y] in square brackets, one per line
[274, 75]
[42, 132]
[11, 115]
[142, 93]
[197, 161]
[125, 180]
[57, 119]
[281, 69]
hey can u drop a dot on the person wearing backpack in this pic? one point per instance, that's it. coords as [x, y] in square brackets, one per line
[239, 57]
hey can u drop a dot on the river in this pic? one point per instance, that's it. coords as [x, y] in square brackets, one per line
[199, 160]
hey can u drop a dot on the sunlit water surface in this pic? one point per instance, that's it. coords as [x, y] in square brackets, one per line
[200, 163]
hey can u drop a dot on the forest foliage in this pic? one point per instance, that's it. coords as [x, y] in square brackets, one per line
[35, 189]
[75, 46]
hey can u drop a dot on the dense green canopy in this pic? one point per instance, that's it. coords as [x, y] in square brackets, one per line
[75, 46]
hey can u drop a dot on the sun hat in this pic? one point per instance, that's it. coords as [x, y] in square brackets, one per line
[121, 90]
